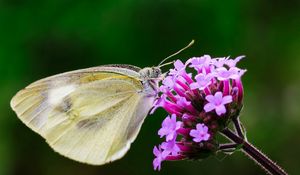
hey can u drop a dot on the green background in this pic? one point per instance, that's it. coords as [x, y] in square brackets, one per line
[39, 38]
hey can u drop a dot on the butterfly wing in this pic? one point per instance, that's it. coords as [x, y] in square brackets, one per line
[91, 116]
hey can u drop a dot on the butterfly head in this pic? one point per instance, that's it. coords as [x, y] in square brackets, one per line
[151, 73]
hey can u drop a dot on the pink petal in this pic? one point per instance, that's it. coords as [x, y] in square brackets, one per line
[178, 64]
[200, 77]
[199, 126]
[156, 152]
[232, 63]
[206, 137]
[157, 164]
[193, 133]
[220, 70]
[241, 73]
[171, 136]
[173, 118]
[218, 96]
[168, 81]
[178, 125]
[205, 129]
[227, 99]
[209, 107]
[197, 139]
[167, 121]
[220, 109]
[162, 132]
[210, 98]
[194, 86]
[164, 154]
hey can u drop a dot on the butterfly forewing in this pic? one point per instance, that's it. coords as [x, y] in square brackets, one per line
[90, 116]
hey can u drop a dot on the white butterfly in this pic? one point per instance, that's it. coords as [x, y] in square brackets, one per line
[90, 115]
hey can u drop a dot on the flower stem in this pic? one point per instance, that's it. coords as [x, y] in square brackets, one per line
[260, 158]
[237, 125]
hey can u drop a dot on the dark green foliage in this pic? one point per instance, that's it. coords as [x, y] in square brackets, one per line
[45, 37]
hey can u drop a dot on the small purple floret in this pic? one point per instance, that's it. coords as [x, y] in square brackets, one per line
[170, 147]
[169, 127]
[217, 102]
[199, 62]
[200, 133]
[159, 157]
[203, 80]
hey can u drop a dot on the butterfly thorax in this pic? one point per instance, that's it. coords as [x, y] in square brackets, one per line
[150, 76]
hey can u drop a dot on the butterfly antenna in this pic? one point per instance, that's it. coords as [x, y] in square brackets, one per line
[176, 53]
[165, 64]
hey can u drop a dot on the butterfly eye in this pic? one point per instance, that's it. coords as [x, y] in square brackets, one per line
[156, 72]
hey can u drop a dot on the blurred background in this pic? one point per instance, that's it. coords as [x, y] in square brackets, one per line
[39, 38]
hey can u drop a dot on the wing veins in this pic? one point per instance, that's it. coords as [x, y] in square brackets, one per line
[57, 139]
[112, 140]
[35, 115]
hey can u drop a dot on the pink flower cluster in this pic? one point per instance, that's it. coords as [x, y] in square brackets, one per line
[201, 96]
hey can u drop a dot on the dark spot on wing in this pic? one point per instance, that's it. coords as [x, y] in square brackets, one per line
[65, 106]
[87, 123]
[94, 123]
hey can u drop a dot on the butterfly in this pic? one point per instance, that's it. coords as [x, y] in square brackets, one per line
[90, 115]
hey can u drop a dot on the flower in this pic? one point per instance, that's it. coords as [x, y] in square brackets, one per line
[169, 127]
[203, 80]
[232, 63]
[168, 83]
[223, 73]
[200, 134]
[200, 62]
[159, 158]
[170, 147]
[179, 68]
[195, 94]
[217, 102]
